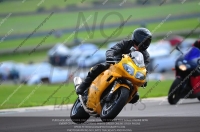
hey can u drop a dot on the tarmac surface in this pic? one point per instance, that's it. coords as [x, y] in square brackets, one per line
[150, 115]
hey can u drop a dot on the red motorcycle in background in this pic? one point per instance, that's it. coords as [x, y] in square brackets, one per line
[187, 81]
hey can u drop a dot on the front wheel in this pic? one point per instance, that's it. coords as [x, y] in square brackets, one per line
[111, 109]
[198, 98]
[173, 95]
[78, 114]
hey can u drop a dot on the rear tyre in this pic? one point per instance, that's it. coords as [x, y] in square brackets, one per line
[173, 95]
[78, 114]
[111, 109]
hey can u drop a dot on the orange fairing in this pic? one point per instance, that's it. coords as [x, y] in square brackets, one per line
[107, 77]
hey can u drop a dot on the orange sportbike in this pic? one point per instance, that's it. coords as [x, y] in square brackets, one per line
[111, 90]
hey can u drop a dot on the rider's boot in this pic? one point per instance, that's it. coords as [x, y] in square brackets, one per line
[83, 86]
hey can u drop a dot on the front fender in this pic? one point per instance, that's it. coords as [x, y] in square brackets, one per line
[133, 91]
[118, 85]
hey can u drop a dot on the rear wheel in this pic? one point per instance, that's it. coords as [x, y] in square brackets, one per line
[198, 98]
[78, 114]
[173, 95]
[111, 109]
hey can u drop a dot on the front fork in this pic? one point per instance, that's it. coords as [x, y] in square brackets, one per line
[115, 86]
[111, 92]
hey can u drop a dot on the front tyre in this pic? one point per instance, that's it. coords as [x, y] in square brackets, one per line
[111, 109]
[198, 98]
[78, 114]
[173, 95]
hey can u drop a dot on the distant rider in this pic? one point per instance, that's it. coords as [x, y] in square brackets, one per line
[197, 44]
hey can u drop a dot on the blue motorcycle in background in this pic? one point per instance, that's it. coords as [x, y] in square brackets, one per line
[187, 81]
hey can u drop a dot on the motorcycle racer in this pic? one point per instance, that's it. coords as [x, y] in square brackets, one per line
[140, 41]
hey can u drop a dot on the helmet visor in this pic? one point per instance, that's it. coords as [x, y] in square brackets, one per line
[144, 44]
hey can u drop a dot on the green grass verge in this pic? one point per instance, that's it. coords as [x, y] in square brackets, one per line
[28, 24]
[33, 5]
[125, 31]
[26, 96]
[13, 96]
[155, 89]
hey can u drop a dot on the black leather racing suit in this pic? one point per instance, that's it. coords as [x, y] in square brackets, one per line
[124, 47]
[197, 44]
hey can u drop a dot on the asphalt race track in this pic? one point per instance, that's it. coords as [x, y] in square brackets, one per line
[148, 116]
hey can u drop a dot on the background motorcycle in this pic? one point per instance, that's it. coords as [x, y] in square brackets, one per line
[187, 72]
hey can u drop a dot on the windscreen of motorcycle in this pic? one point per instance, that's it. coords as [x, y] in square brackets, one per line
[193, 53]
[138, 58]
